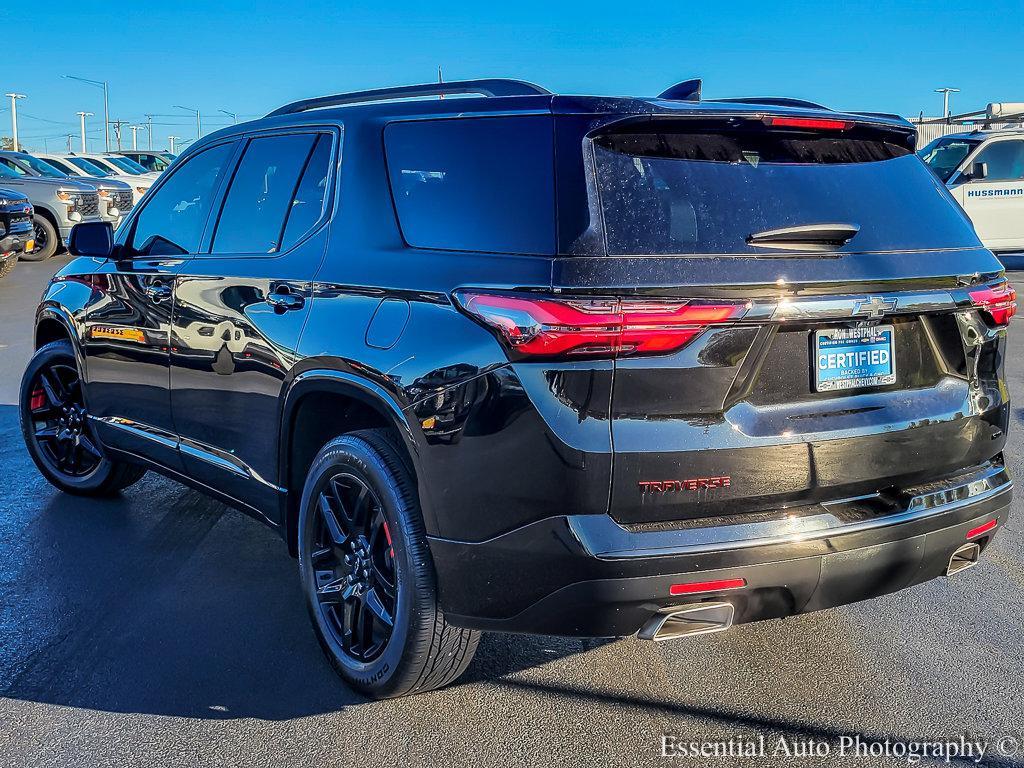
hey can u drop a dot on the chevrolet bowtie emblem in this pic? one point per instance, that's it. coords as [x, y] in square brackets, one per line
[875, 306]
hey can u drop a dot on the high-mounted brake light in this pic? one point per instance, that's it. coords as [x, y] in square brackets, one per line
[814, 123]
[997, 303]
[596, 327]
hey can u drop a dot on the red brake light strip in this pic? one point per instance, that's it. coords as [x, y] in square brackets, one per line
[596, 327]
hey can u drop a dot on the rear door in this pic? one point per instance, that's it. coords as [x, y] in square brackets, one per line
[792, 293]
[240, 307]
[995, 203]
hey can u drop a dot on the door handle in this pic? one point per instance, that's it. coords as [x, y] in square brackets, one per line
[282, 299]
[158, 291]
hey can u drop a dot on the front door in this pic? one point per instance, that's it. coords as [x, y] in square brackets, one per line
[126, 324]
[240, 308]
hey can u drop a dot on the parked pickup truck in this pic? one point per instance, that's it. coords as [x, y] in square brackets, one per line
[83, 170]
[58, 204]
[116, 197]
[15, 228]
[984, 171]
[151, 160]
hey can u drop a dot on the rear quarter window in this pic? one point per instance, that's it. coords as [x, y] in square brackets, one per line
[476, 184]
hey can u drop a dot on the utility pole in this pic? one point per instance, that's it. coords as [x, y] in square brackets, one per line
[945, 99]
[117, 131]
[69, 137]
[135, 132]
[149, 127]
[199, 119]
[171, 139]
[106, 104]
[440, 79]
[82, 116]
[14, 117]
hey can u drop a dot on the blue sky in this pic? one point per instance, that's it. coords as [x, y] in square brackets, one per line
[247, 57]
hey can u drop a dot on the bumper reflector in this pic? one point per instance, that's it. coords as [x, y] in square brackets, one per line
[706, 586]
[982, 529]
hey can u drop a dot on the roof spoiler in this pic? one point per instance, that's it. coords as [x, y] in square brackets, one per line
[488, 87]
[888, 116]
[773, 101]
[688, 90]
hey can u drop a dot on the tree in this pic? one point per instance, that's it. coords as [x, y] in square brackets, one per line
[6, 143]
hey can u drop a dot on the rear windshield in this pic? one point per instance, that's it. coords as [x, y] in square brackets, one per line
[476, 184]
[678, 191]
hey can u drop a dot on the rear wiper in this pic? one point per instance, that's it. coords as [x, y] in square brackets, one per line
[806, 237]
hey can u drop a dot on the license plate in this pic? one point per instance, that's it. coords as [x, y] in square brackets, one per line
[849, 358]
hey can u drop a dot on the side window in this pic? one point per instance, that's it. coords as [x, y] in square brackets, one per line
[474, 184]
[307, 207]
[252, 219]
[13, 166]
[172, 221]
[1005, 160]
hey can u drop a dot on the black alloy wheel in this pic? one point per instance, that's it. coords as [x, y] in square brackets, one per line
[58, 432]
[60, 421]
[367, 574]
[356, 584]
[46, 240]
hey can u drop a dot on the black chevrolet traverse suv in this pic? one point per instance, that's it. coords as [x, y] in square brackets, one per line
[526, 362]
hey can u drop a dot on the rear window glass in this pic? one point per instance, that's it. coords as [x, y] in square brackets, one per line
[476, 184]
[665, 192]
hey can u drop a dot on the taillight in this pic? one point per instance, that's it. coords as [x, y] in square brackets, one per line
[997, 303]
[596, 327]
[814, 123]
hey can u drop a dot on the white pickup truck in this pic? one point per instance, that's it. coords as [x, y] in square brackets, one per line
[984, 171]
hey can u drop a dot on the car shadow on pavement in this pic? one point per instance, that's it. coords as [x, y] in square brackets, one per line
[772, 728]
[163, 601]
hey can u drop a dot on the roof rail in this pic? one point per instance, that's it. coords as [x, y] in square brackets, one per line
[688, 90]
[488, 87]
[774, 101]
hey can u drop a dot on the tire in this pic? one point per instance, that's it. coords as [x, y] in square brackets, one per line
[7, 266]
[47, 240]
[71, 458]
[420, 651]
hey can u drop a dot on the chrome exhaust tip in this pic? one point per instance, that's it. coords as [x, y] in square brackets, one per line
[965, 557]
[688, 620]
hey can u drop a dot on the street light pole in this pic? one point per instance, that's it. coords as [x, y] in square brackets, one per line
[199, 120]
[232, 115]
[82, 116]
[171, 139]
[945, 99]
[106, 104]
[135, 131]
[14, 117]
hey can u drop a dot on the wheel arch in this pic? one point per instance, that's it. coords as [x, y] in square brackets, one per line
[49, 214]
[366, 405]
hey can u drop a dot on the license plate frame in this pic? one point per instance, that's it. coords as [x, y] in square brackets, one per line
[867, 369]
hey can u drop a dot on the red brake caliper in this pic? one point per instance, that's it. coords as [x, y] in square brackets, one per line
[38, 400]
[387, 535]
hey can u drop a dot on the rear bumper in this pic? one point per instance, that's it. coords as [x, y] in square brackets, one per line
[586, 575]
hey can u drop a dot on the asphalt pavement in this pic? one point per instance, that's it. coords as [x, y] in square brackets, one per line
[163, 628]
